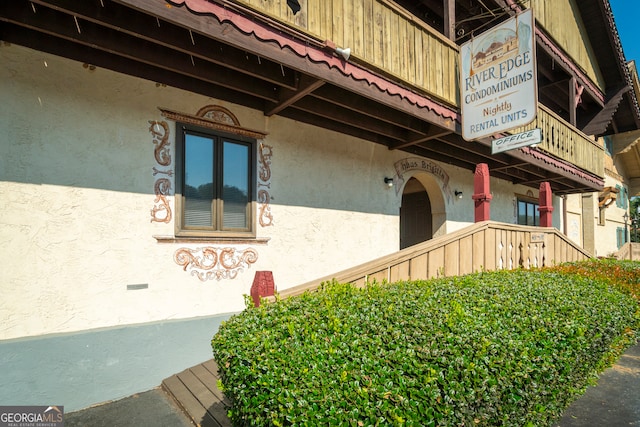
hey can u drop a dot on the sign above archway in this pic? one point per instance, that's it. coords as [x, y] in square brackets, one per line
[409, 164]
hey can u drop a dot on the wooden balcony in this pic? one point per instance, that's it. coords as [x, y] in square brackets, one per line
[384, 36]
[567, 143]
[381, 34]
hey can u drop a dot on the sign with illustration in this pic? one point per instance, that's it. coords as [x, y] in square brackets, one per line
[498, 85]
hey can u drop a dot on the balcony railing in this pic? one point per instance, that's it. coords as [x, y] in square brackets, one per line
[565, 142]
[383, 35]
[379, 33]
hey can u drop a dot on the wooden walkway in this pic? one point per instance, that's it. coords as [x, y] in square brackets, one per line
[196, 392]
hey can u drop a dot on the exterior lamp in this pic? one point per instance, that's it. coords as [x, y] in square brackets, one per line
[458, 194]
[389, 182]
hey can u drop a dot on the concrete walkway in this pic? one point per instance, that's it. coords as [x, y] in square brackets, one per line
[151, 408]
[613, 402]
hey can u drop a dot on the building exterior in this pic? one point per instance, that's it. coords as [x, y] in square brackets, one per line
[156, 154]
[622, 170]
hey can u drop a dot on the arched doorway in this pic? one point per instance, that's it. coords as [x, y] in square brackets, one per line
[415, 215]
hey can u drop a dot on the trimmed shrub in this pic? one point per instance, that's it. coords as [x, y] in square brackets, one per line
[504, 348]
[623, 275]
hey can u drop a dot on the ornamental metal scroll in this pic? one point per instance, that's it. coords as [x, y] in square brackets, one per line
[215, 263]
[161, 211]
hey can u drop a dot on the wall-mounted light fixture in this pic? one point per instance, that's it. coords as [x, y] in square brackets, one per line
[389, 182]
[458, 194]
[345, 53]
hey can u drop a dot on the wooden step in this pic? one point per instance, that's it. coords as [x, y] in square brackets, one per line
[196, 391]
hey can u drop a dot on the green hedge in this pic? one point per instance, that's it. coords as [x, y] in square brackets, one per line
[624, 275]
[506, 348]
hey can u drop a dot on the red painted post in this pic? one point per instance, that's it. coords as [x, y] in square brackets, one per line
[263, 286]
[545, 205]
[482, 193]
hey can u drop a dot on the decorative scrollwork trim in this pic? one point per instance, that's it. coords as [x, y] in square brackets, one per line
[218, 114]
[266, 217]
[215, 263]
[211, 124]
[266, 152]
[161, 212]
[161, 141]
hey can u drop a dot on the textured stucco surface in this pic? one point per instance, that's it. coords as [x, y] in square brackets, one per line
[77, 188]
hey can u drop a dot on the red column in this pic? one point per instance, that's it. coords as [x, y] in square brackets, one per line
[263, 286]
[481, 192]
[545, 205]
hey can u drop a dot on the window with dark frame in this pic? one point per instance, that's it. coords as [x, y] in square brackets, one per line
[528, 213]
[214, 183]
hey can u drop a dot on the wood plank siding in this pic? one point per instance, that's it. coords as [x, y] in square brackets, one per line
[389, 39]
[566, 142]
[561, 20]
[381, 34]
[483, 246]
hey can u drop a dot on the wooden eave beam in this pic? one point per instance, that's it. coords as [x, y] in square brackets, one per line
[377, 111]
[287, 97]
[450, 19]
[65, 48]
[313, 119]
[434, 132]
[63, 26]
[453, 157]
[541, 164]
[598, 124]
[497, 160]
[229, 34]
[145, 27]
[514, 165]
[474, 154]
[350, 118]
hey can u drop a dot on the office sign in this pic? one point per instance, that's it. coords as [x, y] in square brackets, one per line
[498, 85]
[511, 142]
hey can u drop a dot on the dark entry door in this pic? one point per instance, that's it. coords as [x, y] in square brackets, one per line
[415, 215]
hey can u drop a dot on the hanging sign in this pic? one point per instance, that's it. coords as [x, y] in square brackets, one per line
[498, 84]
[511, 142]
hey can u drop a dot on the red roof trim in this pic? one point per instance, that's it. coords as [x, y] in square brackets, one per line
[539, 155]
[264, 33]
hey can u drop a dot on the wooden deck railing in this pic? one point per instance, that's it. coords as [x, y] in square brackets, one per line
[379, 33]
[565, 142]
[629, 251]
[483, 246]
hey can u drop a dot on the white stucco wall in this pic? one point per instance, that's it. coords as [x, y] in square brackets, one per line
[77, 188]
[606, 234]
